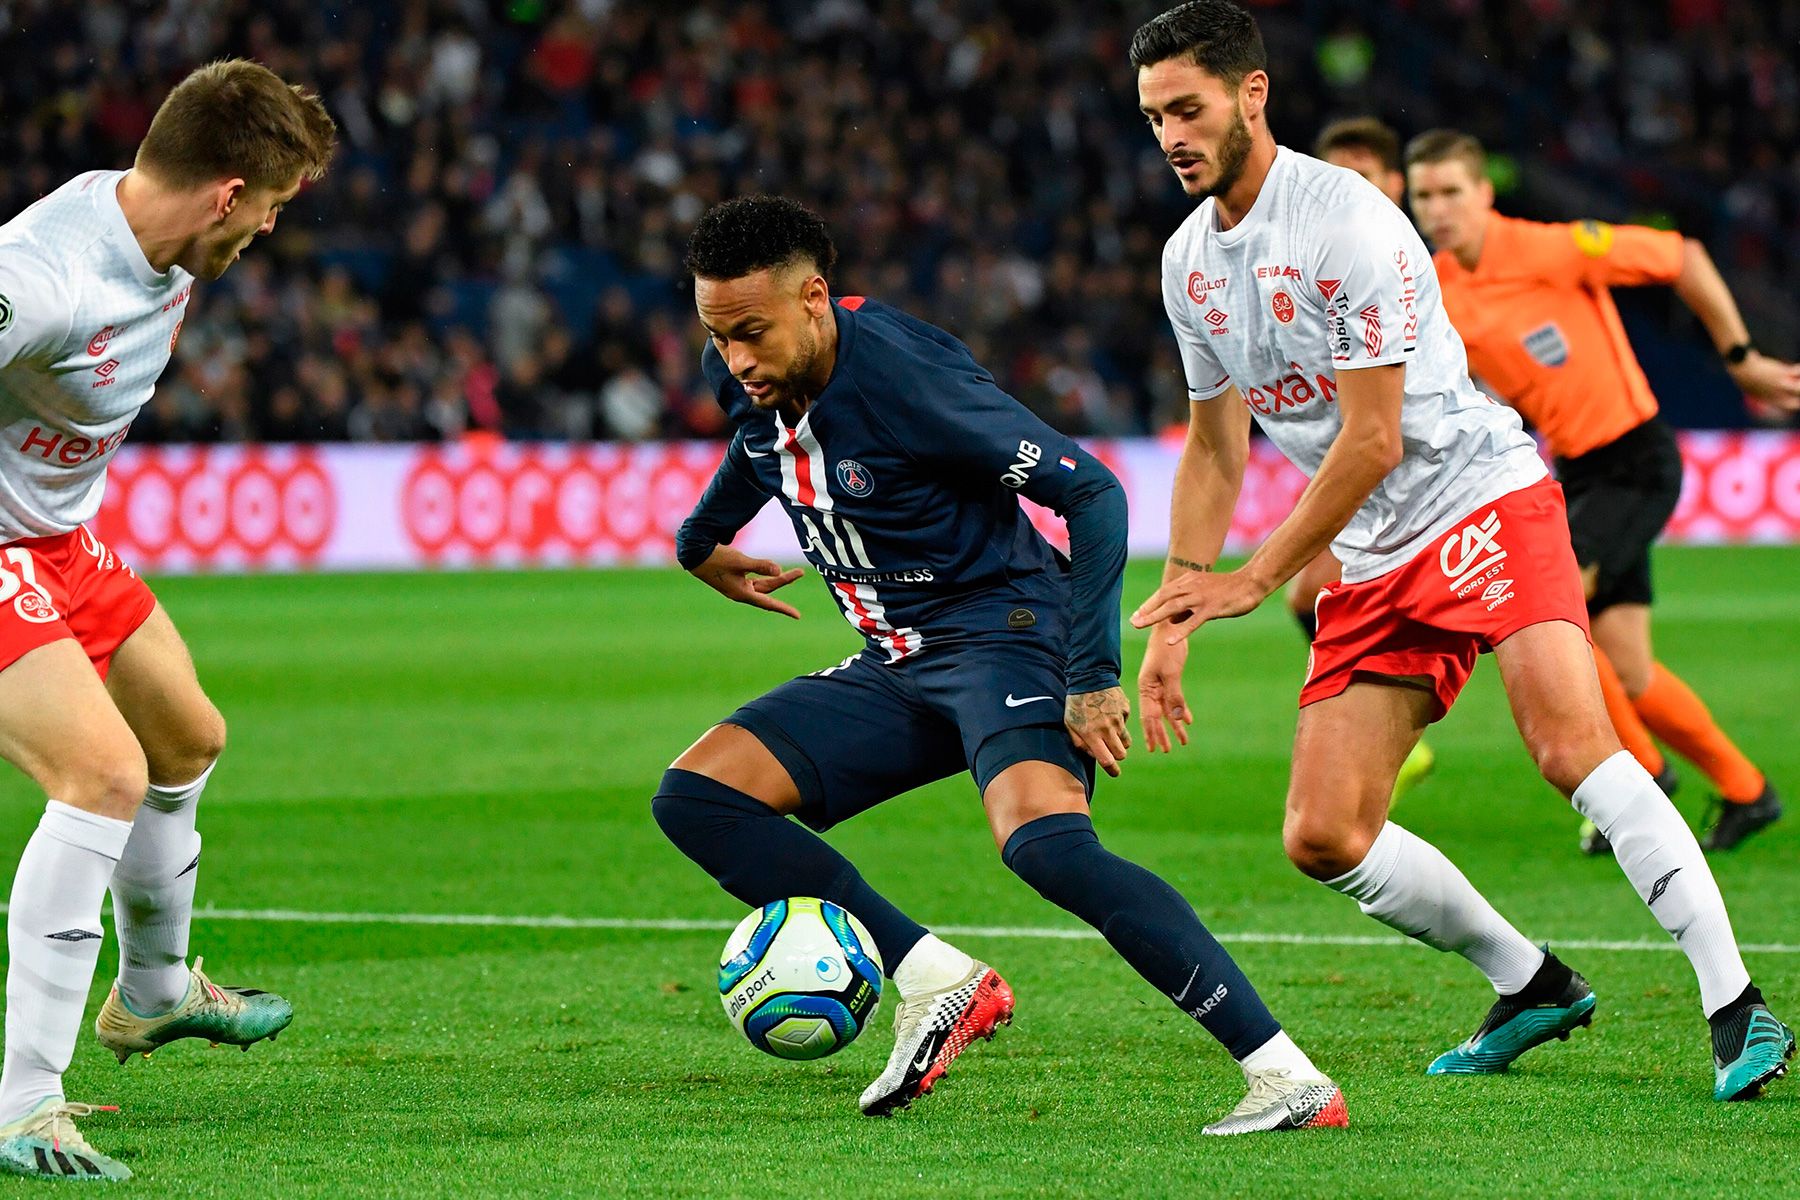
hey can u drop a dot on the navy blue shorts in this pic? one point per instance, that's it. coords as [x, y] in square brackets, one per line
[859, 733]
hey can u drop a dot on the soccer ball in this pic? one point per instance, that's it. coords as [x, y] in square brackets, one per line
[799, 978]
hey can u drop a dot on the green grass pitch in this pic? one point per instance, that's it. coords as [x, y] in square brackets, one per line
[487, 743]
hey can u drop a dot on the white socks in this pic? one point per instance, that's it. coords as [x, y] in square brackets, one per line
[1280, 1052]
[153, 898]
[53, 938]
[1407, 884]
[930, 966]
[1663, 861]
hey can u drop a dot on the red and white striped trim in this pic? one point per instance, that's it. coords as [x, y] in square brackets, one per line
[802, 465]
[863, 609]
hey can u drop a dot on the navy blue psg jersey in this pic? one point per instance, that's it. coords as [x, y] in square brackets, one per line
[902, 482]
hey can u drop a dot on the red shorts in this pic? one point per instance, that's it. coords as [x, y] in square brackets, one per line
[1506, 566]
[68, 586]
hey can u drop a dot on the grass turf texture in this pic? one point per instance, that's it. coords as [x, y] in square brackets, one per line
[487, 743]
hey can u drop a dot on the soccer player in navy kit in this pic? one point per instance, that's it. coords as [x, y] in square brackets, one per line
[896, 456]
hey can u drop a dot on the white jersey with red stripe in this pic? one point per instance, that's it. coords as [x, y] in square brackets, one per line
[1324, 274]
[86, 329]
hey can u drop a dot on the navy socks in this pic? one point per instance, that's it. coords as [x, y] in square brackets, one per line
[757, 856]
[1148, 922]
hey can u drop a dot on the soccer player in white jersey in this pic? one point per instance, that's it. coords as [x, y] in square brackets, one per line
[99, 703]
[1301, 296]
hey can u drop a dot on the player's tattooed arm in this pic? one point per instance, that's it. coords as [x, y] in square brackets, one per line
[1188, 564]
[1097, 723]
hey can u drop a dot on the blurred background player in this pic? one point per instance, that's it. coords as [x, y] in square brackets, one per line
[1370, 148]
[899, 462]
[99, 703]
[1533, 304]
[1321, 315]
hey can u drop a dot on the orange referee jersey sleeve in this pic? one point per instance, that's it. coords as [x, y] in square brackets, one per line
[1542, 330]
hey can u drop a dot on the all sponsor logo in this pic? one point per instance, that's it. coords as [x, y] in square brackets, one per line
[97, 344]
[1030, 454]
[1547, 345]
[1371, 319]
[1282, 305]
[1409, 295]
[854, 478]
[1473, 558]
[1293, 390]
[1337, 317]
[1592, 238]
[1199, 285]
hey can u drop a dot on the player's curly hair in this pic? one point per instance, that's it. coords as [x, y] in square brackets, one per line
[752, 233]
[1215, 35]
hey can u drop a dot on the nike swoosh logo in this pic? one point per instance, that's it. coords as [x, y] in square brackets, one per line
[756, 453]
[927, 1052]
[1011, 702]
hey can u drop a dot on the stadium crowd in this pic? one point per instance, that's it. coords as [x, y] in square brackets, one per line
[498, 244]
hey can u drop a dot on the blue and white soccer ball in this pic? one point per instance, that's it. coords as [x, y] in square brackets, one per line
[799, 978]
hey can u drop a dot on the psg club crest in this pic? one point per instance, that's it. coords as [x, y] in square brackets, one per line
[854, 478]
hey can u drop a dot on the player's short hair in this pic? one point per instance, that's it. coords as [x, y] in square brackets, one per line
[1361, 133]
[1215, 35]
[237, 119]
[1448, 145]
[753, 233]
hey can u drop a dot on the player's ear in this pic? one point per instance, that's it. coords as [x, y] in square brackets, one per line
[815, 294]
[1253, 94]
[227, 195]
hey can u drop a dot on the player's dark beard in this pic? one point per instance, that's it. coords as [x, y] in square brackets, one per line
[798, 387]
[1234, 152]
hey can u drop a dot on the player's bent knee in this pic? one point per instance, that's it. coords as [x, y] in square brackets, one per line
[1566, 758]
[199, 747]
[111, 783]
[1324, 849]
[738, 759]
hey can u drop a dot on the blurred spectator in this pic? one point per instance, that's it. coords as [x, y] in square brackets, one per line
[498, 247]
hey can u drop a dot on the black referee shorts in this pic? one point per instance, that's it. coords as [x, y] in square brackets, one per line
[1620, 496]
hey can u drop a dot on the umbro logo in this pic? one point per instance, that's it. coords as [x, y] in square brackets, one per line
[1661, 886]
[74, 935]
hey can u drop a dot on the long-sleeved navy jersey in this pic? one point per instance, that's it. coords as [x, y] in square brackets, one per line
[900, 482]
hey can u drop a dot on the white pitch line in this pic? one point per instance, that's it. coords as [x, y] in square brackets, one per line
[1041, 932]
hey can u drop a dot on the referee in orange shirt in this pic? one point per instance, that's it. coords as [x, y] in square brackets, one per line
[1533, 304]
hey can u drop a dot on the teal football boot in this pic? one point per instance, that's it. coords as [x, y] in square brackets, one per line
[236, 1016]
[1556, 1001]
[1751, 1048]
[44, 1144]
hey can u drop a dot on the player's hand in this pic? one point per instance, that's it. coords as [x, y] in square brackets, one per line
[1097, 724]
[728, 572]
[1769, 380]
[1162, 708]
[1193, 598]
